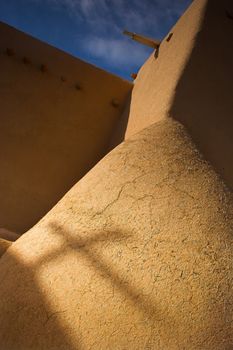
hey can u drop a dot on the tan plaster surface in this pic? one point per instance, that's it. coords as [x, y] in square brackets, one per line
[143, 261]
[138, 254]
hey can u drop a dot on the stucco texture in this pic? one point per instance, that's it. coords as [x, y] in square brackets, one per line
[144, 261]
[138, 253]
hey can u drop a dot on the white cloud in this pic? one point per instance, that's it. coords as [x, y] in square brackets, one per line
[86, 6]
[137, 15]
[117, 52]
[104, 20]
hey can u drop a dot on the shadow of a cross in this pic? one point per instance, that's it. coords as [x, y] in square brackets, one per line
[84, 245]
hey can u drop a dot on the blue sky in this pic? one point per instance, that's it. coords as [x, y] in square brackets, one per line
[92, 29]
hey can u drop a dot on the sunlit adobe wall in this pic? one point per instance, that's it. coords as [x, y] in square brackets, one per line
[190, 79]
[155, 85]
[57, 115]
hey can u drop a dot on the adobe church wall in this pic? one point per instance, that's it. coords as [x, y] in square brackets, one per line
[191, 81]
[155, 84]
[137, 255]
[203, 98]
[57, 115]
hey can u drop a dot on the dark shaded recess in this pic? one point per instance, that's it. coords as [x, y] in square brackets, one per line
[10, 52]
[203, 100]
[169, 37]
[156, 52]
[43, 68]
[229, 14]
[26, 60]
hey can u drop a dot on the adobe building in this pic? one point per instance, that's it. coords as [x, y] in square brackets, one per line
[120, 194]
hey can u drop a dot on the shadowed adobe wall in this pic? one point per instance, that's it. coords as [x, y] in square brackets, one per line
[192, 81]
[57, 115]
[203, 99]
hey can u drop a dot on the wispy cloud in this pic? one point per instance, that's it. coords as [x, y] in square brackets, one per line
[138, 14]
[117, 52]
[102, 22]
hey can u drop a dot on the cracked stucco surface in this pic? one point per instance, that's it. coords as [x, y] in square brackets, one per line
[137, 255]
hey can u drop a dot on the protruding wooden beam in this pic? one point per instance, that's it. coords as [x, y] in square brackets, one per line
[26, 60]
[115, 103]
[133, 75]
[43, 68]
[143, 40]
[10, 52]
